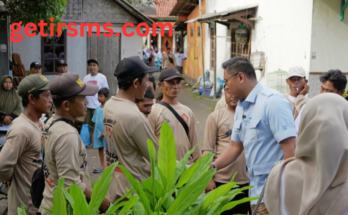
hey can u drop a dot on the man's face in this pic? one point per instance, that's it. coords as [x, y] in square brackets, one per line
[44, 103]
[8, 84]
[145, 106]
[168, 51]
[62, 69]
[171, 88]
[230, 101]
[296, 84]
[78, 108]
[101, 98]
[328, 87]
[232, 85]
[93, 68]
[35, 70]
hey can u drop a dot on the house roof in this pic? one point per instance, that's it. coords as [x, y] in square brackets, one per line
[163, 8]
[134, 11]
[223, 15]
[184, 7]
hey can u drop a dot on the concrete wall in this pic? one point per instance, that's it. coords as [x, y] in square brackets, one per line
[283, 32]
[329, 37]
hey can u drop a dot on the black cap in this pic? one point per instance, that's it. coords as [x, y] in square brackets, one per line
[132, 67]
[35, 64]
[92, 61]
[169, 74]
[61, 62]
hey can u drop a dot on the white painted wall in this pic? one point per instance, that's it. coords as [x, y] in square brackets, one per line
[283, 33]
[329, 37]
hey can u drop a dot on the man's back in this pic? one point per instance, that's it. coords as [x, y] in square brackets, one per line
[126, 133]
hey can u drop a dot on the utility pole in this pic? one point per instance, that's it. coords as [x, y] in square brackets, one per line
[201, 34]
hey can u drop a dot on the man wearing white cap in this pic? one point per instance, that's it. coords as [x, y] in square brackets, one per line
[298, 90]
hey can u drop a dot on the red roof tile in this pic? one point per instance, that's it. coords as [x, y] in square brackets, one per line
[163, 8]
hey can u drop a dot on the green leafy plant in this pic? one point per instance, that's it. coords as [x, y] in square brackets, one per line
[155, 195]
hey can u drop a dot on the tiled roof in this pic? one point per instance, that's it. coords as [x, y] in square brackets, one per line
[163, 8]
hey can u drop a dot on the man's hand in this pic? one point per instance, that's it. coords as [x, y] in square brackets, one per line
[7, 120]
[102, 134]
[211, 186]
[7, 184]
[105, 205]
[305, 90]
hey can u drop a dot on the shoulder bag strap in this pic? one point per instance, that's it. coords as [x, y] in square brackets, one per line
[178, 117]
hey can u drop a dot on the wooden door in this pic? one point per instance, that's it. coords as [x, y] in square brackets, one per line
[107, 51]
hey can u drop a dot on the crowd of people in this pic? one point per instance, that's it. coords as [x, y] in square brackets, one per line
[289, 147]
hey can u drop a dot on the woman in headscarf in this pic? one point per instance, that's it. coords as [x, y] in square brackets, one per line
[152, 57]
[10, 101]
[315, 181]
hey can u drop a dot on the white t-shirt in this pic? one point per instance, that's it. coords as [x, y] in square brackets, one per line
[101, 82]
[181, 58]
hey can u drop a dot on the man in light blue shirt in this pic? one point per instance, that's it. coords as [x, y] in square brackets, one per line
[264, 126]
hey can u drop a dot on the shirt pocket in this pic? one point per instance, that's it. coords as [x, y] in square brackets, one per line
[254, 132]
[238, 127]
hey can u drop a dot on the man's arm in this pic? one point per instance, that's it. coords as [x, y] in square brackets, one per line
[288, 145]
[229, 155]
[14, 147]
[210, 136]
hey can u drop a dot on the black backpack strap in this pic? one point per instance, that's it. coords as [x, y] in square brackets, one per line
[178, 117]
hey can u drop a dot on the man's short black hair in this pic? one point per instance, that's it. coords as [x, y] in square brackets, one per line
[125, 85]
[58, 102]
[104, 91]
[338, 79]
[25, 98]
[240, 64]
[152, 79]
[148, 95]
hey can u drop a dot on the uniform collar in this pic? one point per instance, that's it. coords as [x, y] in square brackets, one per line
[253, 94]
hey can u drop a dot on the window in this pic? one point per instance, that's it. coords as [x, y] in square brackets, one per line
[191, 31]
[52, 50]
[238, 49]
[212, 49]
[199, 31]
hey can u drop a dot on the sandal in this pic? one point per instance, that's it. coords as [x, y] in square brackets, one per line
[98, 170]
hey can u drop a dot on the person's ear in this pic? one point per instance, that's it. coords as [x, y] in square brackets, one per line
[341, 92]
[288, 81]
[135, 83]
[65, 105]
[241, 77]
[31, 98]
[306, 81]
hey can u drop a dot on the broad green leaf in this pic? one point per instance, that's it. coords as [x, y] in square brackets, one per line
[214, 194]
[167, 156]
[80, 206]
[181, 166]
[100, 189]
[203, 166]
[233, 193]
[189, 193]
[138, 209]
[21, 210]
[129, 204]
[213, 208]
[113, 208]
[231, 205]
[234, 176]
[152, 153]
[138, 189]
[69, 198]
[59, 201]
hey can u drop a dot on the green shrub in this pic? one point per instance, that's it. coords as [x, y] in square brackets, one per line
[154, 196]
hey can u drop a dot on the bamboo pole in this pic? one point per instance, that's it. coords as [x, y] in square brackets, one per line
[200, 14]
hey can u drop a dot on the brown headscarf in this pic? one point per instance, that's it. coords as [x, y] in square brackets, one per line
[10, 101]
[315, 181]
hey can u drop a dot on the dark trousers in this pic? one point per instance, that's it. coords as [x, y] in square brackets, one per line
[242, 208]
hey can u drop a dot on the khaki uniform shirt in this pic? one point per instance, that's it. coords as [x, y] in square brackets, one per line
[217, 136]
[65, 157]
[126, 133]
[166, 63]
[18, 162]
[221, 103]
[184, 143]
